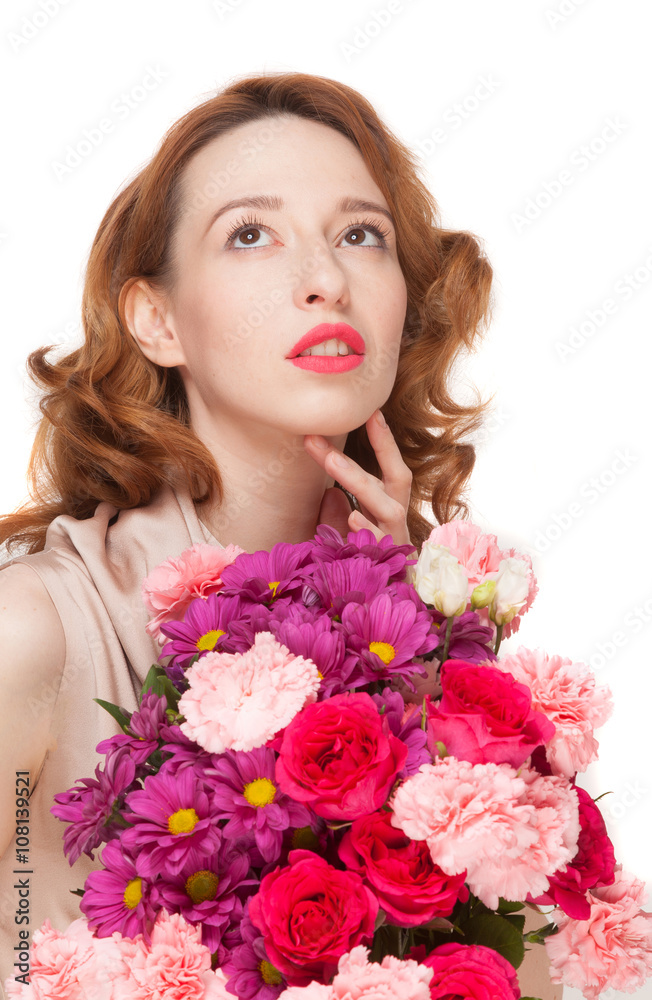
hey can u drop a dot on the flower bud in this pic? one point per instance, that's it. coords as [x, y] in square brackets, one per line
[511, 591]
[481, 596]
[441, 580]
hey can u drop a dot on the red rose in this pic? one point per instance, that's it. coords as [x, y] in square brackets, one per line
[594, 864]
[409, 886]
[485, 716]
[310, 914]
[469, 970]
[339, 757]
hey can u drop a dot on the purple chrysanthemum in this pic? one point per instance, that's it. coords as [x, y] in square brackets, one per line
[348, 581]
[248, 796]
[145, 725]
[120, 897]
[251, 974]
[263, 576]
[387, 636]
[407, 727]
[172, 815]
[203, 629]
[469, 640]
[183, 752]
[329, 545]
[310, 633]
[209, 890]
[89, 809]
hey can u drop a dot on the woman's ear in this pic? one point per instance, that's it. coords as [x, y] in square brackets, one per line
[146, 320]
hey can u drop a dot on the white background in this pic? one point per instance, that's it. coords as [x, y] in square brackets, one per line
[534, 83]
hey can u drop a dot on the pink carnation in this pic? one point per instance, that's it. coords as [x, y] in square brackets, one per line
[480, 555]
[612, 949]
[567, 693]
[169, 588]
[238, 701]
[510, 830]
[175, 964]
[359, 979]
[69, 964]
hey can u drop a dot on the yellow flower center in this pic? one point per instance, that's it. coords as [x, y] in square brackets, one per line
[209, 639]
[273, 585]
[260, 792]
[133, 893]
[269, 973]
[383, 650]
[183, 821]
[202, 885]
[305, 839]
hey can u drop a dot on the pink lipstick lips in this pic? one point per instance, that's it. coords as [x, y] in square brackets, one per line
[322, 363]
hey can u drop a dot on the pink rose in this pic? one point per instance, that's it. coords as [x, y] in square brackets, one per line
[410, 888]
[463, 970]
[593, 864]
[612, 948]
[309, 914]
[339, 757]
[485, 716]
[169, 588]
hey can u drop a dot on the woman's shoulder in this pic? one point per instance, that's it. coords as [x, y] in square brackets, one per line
[31, 630]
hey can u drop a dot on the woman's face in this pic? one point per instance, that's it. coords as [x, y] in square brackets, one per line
[254, 280]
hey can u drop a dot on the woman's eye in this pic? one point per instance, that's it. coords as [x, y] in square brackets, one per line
[249, 235]
[248, 232]
[356, 236]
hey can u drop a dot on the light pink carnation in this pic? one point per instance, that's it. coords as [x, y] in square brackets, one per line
[508, 829]
[175, 964]
[359, 979]
[169, 588]
[612, 949]
[70, 964]
[480, 555]
[238, 701]
[567, 693]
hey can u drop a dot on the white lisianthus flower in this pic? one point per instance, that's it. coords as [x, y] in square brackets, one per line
[441, 580]
[511, 590]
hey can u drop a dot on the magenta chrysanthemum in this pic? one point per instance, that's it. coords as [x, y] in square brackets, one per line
[203, 629]
[264, 576]
[172, 816]
[144, 726]
[122, 896]
[387, 636]
[348, 581]
[238, 701]
[89, 809]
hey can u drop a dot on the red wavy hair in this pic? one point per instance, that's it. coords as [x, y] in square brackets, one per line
[115, 427]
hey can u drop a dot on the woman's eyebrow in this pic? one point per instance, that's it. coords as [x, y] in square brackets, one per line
[274, 203]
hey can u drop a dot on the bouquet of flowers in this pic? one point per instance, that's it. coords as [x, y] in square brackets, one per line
[333, 787]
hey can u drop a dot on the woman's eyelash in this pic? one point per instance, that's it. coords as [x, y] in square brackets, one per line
[254, 223]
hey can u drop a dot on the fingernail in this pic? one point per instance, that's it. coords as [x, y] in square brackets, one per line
[340, 460]
[380, 418]
[319, 442]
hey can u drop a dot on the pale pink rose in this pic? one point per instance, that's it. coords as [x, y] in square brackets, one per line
[402, 979]
[238, 701]
[480, 555]
[567, 693]
[610, 950]
[174, 965]
[314, 991]
[169, 588]
[69, 965]
[509, 829]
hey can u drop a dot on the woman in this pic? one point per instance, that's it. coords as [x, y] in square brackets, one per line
[278, 206]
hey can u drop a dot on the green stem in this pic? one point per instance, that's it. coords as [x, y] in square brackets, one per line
[447, 640]
[499, 635]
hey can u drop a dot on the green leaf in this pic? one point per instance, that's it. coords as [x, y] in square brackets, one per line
[496, 932]
[516, 920]
[77, 892]
[539, 935]
[158, 681]
[507, 906]
[118, 714]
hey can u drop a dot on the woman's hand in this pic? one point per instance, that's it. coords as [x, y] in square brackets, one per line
[384, 504]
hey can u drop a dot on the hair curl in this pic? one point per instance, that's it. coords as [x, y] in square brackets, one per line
[116, 427]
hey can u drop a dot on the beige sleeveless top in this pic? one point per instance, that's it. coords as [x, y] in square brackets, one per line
[93, 570]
